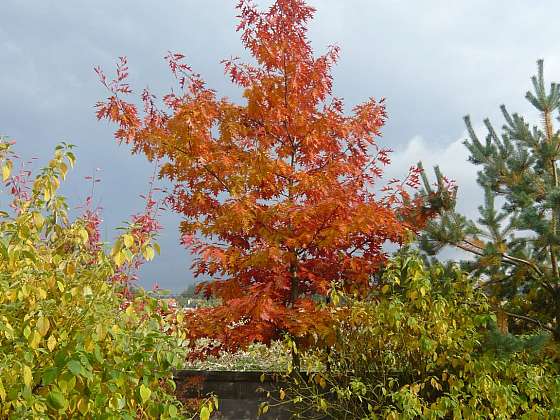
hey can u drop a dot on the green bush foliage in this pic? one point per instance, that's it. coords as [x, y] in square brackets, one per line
[419, 348]
[67, 346]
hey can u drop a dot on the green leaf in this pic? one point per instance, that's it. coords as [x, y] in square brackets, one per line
[75, 367]
[49, 375]
[56, 400]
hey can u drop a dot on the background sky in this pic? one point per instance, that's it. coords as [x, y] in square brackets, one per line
[434, 61]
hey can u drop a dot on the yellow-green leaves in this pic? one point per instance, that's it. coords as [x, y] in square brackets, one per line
[204, 413]
[148, 253]
[61, 324]
[208, 407]
[6, 170]
[34, 339]
[38, 220]
[128, 240]
[2, 391]
[84, 235]
[145, 393]
[57, 400]
[127, 248]
[47, 192]
[119, 258]
[27, 375]
[51, 343]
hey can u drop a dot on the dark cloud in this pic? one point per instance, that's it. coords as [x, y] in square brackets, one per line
[433, 60]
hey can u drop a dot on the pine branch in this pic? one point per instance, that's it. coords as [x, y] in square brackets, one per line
[531, 320]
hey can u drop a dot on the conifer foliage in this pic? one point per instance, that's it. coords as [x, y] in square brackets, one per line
[277, 193]
[515, 243]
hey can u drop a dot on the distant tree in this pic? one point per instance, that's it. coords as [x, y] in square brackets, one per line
[189, 297]
[189, 292]
[278, 193]
[515, 243]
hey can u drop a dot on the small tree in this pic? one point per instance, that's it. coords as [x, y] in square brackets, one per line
[278, 193]
[515, 248]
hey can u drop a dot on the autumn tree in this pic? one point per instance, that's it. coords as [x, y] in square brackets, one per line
[280, 194]
[515, 244]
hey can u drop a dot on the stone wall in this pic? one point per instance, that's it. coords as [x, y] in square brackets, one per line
[239, 393]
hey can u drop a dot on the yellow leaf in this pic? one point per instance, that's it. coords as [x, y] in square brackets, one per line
[63, 169]
[205, 413]
[282, 394]
[34, 339]
[180, 317]
[47, 194]
[145, 393]
[83, 406]
[2, 391]
[38, 220]
[41, 293]
[84, 235]
[51, 343]
[27, 375]
[119, 258]
[43, 325]
[128, 240]
[385, 289]
[70, 268]
[6, 170]
[148, 253]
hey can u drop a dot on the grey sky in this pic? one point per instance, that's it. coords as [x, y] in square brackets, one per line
[434, 61]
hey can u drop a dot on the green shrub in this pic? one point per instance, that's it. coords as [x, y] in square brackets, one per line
[67, 347]
[419, 347]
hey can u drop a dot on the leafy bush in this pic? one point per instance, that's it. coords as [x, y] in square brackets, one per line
[417, 348]
[67, 346]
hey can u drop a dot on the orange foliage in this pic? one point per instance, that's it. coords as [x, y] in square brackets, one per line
[278, 194]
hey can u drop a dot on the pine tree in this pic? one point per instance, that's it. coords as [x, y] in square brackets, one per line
[515, 243]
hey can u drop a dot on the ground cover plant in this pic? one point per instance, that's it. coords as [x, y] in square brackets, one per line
[69, 347]
[274, 357]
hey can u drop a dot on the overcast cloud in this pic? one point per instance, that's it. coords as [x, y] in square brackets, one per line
[434, 61]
